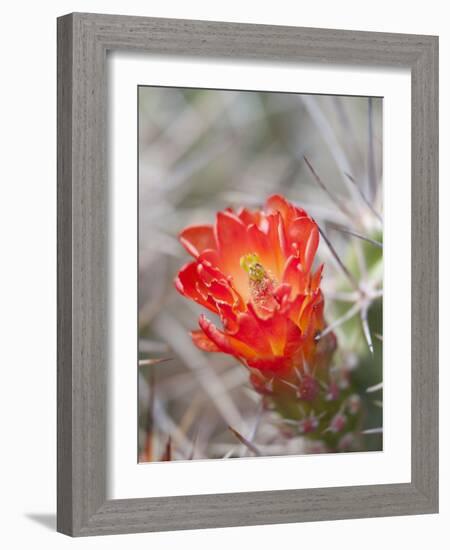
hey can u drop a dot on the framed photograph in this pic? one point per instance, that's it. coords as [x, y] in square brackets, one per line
[247, 274]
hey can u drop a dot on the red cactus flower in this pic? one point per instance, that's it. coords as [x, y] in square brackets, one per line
[254, 270]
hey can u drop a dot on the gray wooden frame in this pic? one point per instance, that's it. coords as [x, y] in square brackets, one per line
[83, 41]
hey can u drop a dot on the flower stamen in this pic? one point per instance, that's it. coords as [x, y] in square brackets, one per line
[252, 265]
[261, 283]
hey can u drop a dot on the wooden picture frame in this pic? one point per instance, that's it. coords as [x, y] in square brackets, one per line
[83, 41]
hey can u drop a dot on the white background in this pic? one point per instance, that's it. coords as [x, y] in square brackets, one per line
[28, 300]
[131, 480]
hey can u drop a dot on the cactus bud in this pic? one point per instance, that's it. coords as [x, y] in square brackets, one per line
[337, 423]
[308, 425]
[354, 403]
[308, 389]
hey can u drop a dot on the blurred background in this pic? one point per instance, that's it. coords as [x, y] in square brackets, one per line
[201, 151]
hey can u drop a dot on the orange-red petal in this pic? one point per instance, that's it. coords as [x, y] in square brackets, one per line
[303, 232]
[203, 342]
[249, 216]
[295, 276]
[197, 238]
[287, 210]
[232, 242]
[188, 284]
[219, 339]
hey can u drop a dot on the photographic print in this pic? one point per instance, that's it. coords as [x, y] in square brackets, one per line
[260, 274]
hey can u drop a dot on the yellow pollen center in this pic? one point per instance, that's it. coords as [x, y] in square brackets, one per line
[251, 264]
[261, 285]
